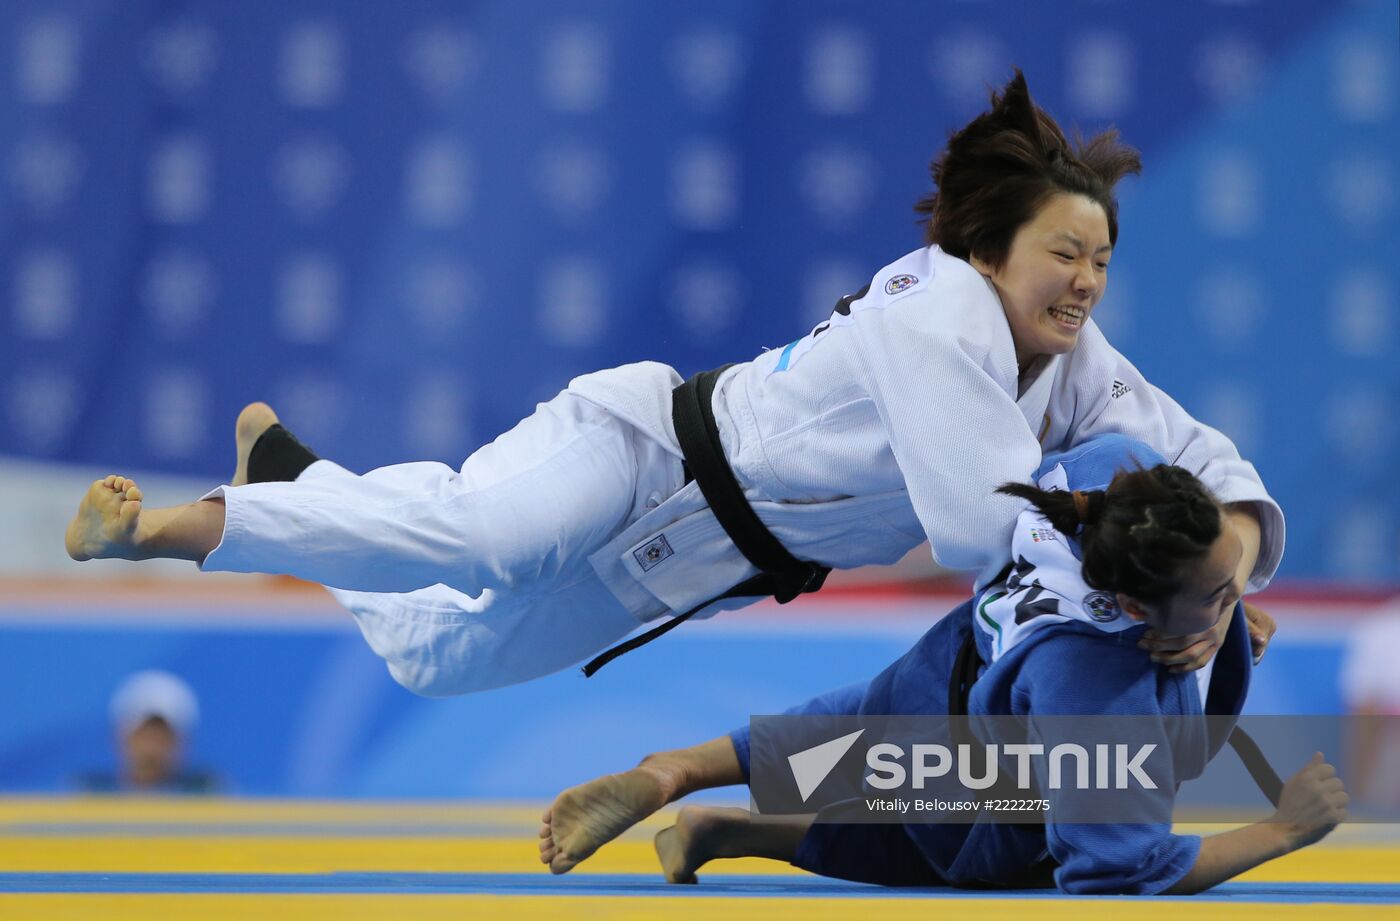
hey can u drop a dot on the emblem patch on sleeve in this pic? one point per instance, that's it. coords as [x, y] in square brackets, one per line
[1120, 388]
[899, 283]
[653, 553]
[1102, 606]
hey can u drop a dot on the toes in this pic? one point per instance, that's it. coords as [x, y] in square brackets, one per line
[561, 864]
[130, 511]
[122, 486]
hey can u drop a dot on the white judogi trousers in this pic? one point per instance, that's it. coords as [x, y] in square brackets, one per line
[465, 580]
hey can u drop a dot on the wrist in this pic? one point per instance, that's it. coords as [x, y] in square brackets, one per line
[1284, 837]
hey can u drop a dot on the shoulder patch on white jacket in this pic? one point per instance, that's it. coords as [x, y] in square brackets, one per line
[907, 274]
[899, 282]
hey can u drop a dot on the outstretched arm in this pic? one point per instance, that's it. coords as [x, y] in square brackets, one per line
[1313, 803]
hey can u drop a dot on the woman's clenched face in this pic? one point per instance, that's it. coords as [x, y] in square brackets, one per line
[1054, 275]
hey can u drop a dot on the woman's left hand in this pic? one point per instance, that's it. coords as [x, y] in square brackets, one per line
[1262, 628]
[1183, 654]
[1188, 653]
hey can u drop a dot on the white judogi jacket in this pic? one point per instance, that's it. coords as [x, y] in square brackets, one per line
[891, 423]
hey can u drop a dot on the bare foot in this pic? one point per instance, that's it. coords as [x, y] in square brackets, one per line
[586, 817]
[699, 835]
[105, 526]
[255, 419]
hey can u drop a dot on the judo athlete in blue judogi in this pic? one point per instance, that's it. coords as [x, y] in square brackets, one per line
[1115, 542]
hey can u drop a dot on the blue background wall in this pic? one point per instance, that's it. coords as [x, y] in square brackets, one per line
[406, 223]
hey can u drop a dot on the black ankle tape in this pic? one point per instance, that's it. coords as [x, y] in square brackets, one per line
[277, 457]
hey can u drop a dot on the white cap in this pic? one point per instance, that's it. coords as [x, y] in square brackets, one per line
[154, 693]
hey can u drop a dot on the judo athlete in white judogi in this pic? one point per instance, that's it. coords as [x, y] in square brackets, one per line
[889, 424]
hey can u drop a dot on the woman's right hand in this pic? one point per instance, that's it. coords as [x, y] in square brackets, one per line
[1313, 803]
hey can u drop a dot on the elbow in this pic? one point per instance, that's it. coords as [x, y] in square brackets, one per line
[1120, 883]
[1184, 886]
[1155, 871]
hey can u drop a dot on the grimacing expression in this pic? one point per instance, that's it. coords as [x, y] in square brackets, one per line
[1054, 275]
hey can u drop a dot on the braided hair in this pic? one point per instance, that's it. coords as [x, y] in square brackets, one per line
[1137, 535]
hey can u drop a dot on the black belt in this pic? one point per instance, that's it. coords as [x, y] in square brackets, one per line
[780, 574]
[969, 662]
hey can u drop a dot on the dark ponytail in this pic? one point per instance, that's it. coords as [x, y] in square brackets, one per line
[1136, 535]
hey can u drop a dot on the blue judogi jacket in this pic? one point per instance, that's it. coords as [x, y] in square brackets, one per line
[1069, 668]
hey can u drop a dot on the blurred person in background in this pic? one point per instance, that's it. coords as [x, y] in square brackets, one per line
[1371, 689]
[153, 713]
